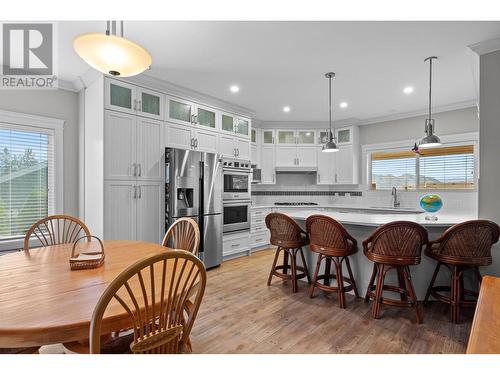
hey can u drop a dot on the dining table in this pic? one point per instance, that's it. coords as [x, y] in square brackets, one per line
[43, 301]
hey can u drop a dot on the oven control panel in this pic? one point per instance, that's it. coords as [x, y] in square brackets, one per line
[237, 164]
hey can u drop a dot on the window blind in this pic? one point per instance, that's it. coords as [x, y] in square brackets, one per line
[26, 179]
[447, 168]
[395, 168]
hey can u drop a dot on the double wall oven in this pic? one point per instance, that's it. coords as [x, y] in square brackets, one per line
[237, 177]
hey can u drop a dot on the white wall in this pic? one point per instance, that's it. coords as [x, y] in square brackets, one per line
[58, 104]
[489, 141]
[450, 122]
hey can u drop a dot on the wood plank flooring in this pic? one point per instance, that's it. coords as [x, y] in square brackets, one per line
[241, 314]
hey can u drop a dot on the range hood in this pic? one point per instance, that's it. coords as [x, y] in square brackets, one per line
[291, 170]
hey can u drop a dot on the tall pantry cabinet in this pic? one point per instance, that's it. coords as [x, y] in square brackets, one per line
[123, 182]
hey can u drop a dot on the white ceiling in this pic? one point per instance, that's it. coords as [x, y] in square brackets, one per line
[283, 63]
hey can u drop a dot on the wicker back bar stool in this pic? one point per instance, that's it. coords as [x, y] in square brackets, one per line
[464, 246]
[331, 241]
[396, 245]
[287, 235]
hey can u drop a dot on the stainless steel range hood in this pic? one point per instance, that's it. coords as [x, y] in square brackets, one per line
[295, 170]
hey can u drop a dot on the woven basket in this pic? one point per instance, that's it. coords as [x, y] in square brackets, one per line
[85, 261]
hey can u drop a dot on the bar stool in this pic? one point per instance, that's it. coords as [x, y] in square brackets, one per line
[289, 237]
[395, 245]
[461, 247]
[330, 240]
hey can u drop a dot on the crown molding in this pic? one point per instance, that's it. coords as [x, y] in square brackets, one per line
[420, 112]
[160, 85]
[486, 46]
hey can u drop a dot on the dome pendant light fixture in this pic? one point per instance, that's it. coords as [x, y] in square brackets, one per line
[430, 140]
[330, 146]
[112, 54]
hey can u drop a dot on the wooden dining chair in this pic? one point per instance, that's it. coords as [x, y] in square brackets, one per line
[183, 234]
[152, 294]
[56, 230]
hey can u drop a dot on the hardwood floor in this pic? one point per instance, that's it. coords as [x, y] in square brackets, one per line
[241, 314]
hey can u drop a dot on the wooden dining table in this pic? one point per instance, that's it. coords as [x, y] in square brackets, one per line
[43, 302]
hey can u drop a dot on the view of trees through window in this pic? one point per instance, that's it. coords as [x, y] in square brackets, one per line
[24, 180]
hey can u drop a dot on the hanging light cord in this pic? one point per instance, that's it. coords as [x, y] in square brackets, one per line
[330, 100]
[430, 86]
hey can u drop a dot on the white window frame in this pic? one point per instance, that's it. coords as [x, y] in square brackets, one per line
[52, 126]
[446, 140]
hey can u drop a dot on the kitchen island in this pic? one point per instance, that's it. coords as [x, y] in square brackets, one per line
[361, 222]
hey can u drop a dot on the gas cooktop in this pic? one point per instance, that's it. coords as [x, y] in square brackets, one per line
[295, 204]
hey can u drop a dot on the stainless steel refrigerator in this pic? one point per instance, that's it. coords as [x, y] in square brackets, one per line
[193, 188]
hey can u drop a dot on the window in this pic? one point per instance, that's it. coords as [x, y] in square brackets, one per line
[451, 167]
[26, 180]
[397, 168]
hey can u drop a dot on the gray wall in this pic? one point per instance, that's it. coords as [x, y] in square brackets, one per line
[451, 122]
[60, 104]
[489, 141]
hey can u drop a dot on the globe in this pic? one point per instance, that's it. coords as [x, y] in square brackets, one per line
[431, 203]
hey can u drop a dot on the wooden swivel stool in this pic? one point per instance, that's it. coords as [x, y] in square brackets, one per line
[395, 245]
[290, 238]
[330, 240]
[462, 247]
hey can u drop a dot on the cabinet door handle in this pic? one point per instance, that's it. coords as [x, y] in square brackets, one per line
[140, 192]
[140, 169]
[235, 245]
[139, 108]
[196, 143]
[135, 169]
[192, 119]
[238, 152]
[135, 105]
[135, 192]
[272, 141]
[192, 144]
[195, 119]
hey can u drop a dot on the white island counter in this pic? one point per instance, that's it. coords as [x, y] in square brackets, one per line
[361, 224]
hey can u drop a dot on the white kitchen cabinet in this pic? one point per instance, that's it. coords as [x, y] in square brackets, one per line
[205, 117]
[254, 154]
[205, 140]
[268, 167]
[150, 150]
[326, 167]
[235, 243]
[234, 147]
[306, 156]
[133, 211]
[242, 127]
[267, 137]
[150, 221]
[128, 98]
[120, 145]
[178, 136]
[344, 135]
[180, 111]
[304, 137]
[293, 156]
[120, 210]
[235, 125]
[344, 165]
[132, 147]
[286, 156]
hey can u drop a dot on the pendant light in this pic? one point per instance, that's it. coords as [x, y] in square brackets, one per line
[330, 146]
[112, 54]
[430, 140]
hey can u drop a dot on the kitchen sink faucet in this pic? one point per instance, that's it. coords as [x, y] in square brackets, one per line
[395, 199]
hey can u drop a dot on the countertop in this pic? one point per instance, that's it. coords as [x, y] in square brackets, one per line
[370, 218]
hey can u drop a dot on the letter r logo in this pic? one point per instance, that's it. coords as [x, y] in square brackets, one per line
[27, 49]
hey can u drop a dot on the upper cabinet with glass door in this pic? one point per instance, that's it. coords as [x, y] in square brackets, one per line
[301, 137]
[128, 98]
[344, 136]
[242, 127]
[235, 125]
[205, 116]
[180, 111]
[267, 136]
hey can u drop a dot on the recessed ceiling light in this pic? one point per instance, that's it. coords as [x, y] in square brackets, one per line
[408, 90]
[286, 109]
[234, 88]
[343, 105]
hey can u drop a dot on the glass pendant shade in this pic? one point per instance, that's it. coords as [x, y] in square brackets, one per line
[111, 54]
